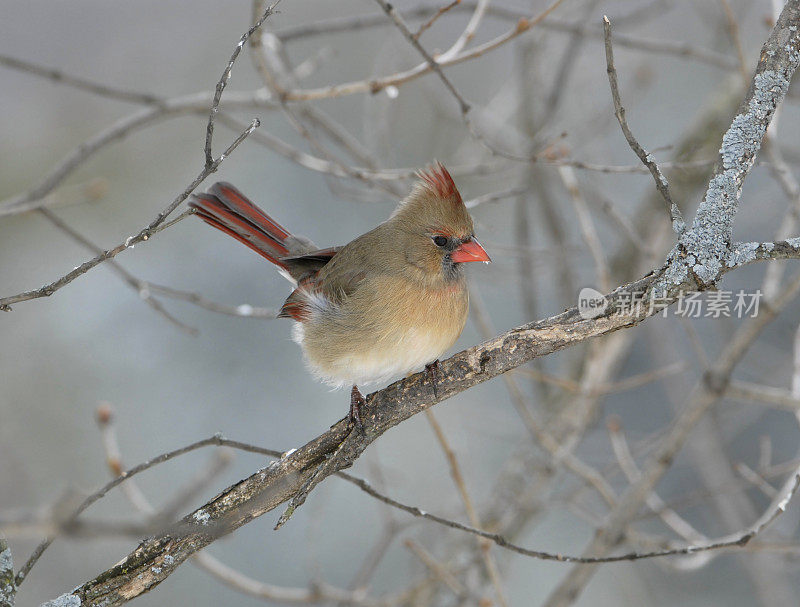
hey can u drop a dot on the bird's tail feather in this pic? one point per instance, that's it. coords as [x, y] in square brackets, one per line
[230, 211]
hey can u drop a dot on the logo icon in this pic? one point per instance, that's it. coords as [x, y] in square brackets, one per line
[591, 303]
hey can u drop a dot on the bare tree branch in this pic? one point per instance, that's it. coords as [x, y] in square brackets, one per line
[196, 103]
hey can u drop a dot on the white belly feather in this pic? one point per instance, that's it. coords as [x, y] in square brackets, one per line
[375, 362]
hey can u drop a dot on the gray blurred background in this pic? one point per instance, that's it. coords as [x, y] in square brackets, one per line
[96, 341]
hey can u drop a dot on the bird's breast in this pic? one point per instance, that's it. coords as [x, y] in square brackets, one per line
[389, 329]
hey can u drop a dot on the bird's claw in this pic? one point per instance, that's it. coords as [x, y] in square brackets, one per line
[357, 401]
[432, 369]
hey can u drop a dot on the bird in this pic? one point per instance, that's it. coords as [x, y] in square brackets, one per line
[385, 304]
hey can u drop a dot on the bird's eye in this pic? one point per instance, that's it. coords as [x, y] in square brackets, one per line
[439, 240]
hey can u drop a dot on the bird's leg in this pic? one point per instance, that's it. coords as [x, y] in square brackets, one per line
[357, 401]
[432, 369]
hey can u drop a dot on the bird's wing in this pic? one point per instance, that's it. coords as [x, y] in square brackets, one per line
[325, 277]
[312, 292]
[345, 272]
[308, 263]
[339, 273]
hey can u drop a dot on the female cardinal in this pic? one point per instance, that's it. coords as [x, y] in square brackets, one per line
[388, 302]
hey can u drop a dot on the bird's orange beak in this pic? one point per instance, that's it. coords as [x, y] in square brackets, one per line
[470, 251]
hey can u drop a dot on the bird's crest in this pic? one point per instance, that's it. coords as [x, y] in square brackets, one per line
[435, 203]
[438, 181]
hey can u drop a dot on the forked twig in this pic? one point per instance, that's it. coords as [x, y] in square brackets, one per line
[223, 81]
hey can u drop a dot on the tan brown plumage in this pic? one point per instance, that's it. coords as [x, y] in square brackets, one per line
[387, 303]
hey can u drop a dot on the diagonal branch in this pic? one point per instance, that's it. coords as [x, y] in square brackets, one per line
[97, 495]
[159, 556]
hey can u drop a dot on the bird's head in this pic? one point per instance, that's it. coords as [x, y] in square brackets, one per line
[435, 227]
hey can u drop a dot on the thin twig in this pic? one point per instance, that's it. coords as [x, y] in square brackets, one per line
[104, 418]
[767, 395]
[425, 26]
[227, 575]
[733, 541]
[707, 392]
[566, 65]
[241, 310]
[223, 81]
[564, 383]
[647, 159]
[374, 556]
[628, 466]
[627, 228]
[318, 593]
[196, 103]
[641, 379]
[494, 197]
[469, 31]
[783, 174]
[89, 86]
[536, 429]
[753, 477]
[278, 77]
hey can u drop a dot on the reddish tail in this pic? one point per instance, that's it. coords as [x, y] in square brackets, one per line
[227, 209]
